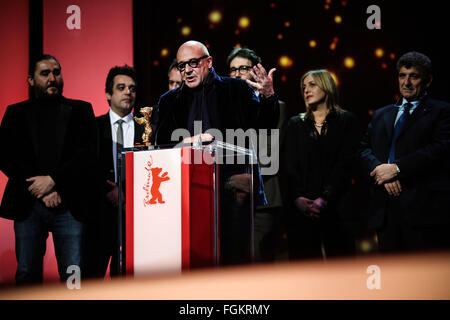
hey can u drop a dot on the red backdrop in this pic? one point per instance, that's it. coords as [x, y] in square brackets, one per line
[87, 40]
[105, 39]
[14, 57]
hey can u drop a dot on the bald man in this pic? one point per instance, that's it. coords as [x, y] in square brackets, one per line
[220, 103]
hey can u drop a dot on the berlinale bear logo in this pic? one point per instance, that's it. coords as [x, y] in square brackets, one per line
[156, 179]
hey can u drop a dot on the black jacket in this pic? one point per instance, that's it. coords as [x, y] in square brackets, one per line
[237, 107]
[422, 155]
[76, 146]
[321, 166]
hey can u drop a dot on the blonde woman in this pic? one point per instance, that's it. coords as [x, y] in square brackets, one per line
[319, 152]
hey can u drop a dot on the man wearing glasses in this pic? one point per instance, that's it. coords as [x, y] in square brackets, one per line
[267, 218]
[220, 103]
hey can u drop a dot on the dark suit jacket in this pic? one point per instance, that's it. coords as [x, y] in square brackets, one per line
[238, 107]
[76, 152]
[422, 155]
[105, 144]
[271, 182]
[107, 221]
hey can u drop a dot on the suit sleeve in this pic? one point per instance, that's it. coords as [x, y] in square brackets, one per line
[368, 158]
[79, 167]
[433, 154]
[262, 112]
[10, 132]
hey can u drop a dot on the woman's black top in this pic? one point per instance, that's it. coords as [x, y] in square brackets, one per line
[320, 165]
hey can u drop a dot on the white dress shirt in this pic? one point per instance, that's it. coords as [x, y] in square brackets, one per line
[128, 134]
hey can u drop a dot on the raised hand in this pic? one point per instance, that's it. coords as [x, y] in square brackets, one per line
[263, 81]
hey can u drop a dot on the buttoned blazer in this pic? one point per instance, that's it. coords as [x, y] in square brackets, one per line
[422, 155]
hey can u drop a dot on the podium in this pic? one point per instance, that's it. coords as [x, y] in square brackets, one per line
[174, 198]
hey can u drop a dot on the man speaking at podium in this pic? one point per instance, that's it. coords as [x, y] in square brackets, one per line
[49, 149]
[220, 103]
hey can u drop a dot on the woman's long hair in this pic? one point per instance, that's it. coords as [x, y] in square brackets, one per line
[324, 80]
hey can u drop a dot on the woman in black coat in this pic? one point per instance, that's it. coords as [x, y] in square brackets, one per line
[318, 155]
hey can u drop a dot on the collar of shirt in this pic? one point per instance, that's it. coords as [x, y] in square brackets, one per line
[114, 117]
[414, 105]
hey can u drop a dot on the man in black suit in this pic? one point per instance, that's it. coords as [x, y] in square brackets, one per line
[117, 129]
[49, 145]
[267, 217]
[218, 103]
[406, 153]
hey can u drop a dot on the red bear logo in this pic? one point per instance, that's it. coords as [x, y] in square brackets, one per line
[157, 180]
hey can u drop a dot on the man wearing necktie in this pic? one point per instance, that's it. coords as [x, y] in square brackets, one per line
[405, 153]
[117, 130]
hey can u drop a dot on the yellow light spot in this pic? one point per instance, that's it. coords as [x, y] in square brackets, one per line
[285, 62]
[244, 22]
[312, 43]
[379, 53]
[164, 52]
[279, 36]
[349, 62]
[185, 31]
[338, 19]
[287, 24]
[215, 17]
[366, 246]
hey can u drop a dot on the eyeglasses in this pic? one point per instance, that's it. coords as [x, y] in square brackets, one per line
[193, 63]
[241, 69]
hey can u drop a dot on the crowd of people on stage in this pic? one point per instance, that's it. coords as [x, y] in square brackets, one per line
[63, 177]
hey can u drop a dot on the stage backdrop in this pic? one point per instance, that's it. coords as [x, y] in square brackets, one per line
[14, 57]
[88, 38]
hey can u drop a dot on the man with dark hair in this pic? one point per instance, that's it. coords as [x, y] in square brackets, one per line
[221, 103]
[237, 55]
[117, 129]
[50, 149]
[406, 154]
[174, 75]
[267, 218]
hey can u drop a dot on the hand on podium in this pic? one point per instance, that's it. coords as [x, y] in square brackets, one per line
[203, 136]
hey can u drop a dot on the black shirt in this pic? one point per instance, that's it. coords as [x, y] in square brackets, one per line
[320, 165]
